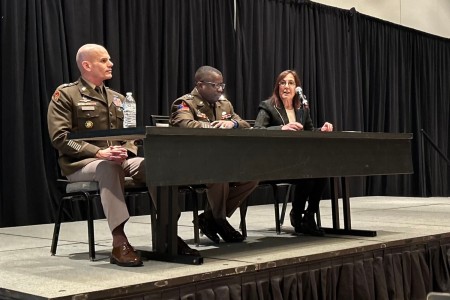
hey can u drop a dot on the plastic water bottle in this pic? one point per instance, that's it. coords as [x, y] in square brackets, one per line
[129, 111]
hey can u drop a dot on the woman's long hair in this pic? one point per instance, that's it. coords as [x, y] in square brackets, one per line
[275, 98]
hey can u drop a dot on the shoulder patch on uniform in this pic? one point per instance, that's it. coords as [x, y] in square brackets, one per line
[183, 106]
[56, 95]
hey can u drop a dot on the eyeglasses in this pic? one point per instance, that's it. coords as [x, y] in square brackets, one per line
[215, 85]
[284, 83]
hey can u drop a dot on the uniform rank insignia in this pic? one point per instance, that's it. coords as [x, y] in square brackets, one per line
[55, 96]
[183, 106]
[89, 124]
[117, 102]
[225, 116]
[201, 115]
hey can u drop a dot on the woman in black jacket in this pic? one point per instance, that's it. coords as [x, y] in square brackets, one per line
[285, 110]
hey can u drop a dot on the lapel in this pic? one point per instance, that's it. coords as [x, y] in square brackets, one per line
[87, 91]
[202, 106]
[282, 114]
[299, 115]
[109, 96]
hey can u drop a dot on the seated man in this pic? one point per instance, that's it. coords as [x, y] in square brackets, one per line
[88, 105]
[204, 107]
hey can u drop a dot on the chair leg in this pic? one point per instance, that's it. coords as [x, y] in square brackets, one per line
[279, 219]
[243, 211]
[286, 200]
[319, 222]
[152, 221]
[195, 217]
[90, 222]
[57, 227]
[277, 208]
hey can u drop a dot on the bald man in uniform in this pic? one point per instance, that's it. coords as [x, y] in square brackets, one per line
[204, 107]
[88, 104]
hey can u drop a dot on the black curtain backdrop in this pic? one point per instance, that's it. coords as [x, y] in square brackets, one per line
[359, 73]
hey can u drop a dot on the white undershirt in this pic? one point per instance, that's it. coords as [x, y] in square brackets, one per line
[291, 115]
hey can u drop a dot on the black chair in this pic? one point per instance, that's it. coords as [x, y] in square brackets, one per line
[278, 196]
[438, 296]
[88, 191]
[281, 195]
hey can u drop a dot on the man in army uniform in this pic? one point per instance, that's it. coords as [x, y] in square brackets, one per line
[88, 105]
[204, 107]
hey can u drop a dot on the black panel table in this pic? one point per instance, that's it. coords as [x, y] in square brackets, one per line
[182, 156]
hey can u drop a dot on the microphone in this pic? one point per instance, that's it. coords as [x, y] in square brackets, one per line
[299, 91]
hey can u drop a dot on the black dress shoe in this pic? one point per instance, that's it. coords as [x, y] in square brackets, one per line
[296, 220]
[125, 256]
[208, 227]
[184, 249]
[309, 226]
[228, 233]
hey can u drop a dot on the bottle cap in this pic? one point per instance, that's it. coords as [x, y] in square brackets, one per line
[129, 93]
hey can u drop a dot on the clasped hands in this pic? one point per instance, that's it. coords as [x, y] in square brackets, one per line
[222, 124]
[296, 126]
[116, 154]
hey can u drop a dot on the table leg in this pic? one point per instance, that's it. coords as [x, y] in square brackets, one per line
[165, 241]
[346, 211]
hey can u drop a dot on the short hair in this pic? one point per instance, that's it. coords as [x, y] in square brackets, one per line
[204, 72]
[84, 52]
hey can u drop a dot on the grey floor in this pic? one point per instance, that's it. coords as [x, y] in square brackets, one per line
[26, 266]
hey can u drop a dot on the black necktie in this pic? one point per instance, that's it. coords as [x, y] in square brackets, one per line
[213, 107]
[99, 90]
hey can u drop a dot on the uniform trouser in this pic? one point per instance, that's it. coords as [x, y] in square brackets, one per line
[225, 198]
[310, 190]
[111, 178]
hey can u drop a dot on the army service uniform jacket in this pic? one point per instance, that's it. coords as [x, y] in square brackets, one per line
[77, 107]
[191, 111]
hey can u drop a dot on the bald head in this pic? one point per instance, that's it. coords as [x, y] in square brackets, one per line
[205, 73]
[94, 63]
[87, 53]
[209, 83]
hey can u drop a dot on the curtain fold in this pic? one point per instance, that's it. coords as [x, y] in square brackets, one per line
[392, 274]
[358, 72]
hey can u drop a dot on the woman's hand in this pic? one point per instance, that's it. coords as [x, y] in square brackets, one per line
[327, 127]
[294, 126]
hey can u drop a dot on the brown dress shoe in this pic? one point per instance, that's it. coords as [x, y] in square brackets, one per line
[184, 249]
[125, 256]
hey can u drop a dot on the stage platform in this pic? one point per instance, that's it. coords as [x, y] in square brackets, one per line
[414, 230]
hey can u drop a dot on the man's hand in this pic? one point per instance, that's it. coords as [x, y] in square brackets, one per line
[225, 124]
[114, 153]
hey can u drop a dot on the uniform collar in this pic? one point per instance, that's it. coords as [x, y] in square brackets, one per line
[87, 89]
[201, 102]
